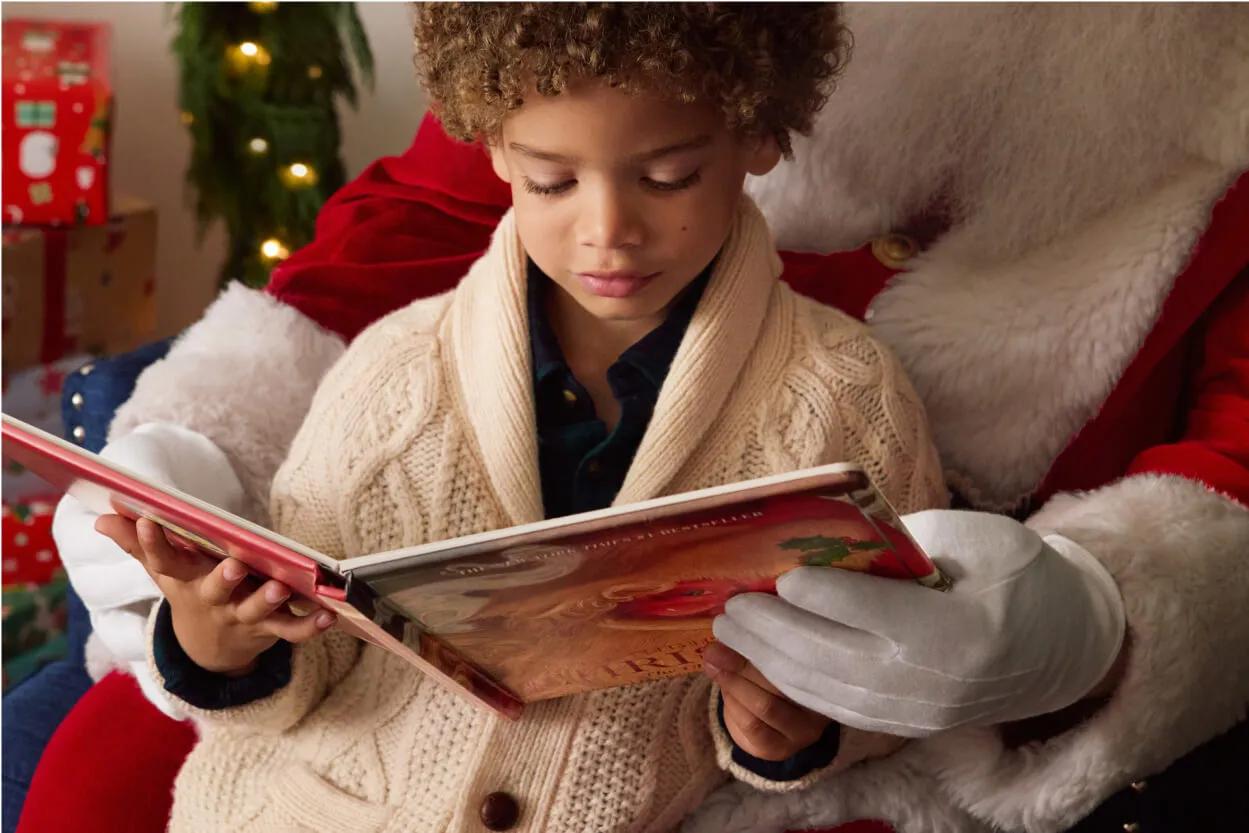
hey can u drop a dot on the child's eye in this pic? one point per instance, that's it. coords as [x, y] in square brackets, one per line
[679, 185]
[548, 190]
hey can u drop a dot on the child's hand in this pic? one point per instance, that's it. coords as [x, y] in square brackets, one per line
[761, 720]
[222, 622]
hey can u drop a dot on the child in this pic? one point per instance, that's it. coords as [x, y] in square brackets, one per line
[624, 337]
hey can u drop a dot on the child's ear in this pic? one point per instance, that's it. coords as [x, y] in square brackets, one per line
[498, 161]
[763, 154]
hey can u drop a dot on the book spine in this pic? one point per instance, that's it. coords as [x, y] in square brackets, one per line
[362, 615]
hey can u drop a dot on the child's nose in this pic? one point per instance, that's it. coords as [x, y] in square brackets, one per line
[610, 222]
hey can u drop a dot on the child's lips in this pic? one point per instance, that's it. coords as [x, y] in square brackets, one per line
[615, 284]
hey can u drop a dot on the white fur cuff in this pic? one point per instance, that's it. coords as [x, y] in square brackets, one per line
[893, 789]
[1177, 552]
[242, 376]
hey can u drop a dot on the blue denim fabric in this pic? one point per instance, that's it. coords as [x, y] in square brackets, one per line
[34, 708]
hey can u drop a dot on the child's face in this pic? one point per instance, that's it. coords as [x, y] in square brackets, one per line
[623, 199]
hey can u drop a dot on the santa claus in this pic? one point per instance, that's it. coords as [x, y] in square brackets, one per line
[1043, 210]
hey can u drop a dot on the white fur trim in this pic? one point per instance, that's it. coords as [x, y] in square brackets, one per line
[1011, 359]
[894, 789]
[1177, 551]
[98, 659]
[1021, 122]
[100, 662]
[242, 376]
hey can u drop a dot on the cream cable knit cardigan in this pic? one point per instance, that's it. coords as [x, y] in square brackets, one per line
[425, 430]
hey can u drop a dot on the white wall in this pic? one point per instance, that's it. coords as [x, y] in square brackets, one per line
[151, 148]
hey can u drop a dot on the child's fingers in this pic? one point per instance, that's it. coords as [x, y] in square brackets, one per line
[771, 709]
[218, 587]
[751, 733]
[262, 603]
[162, 558]
[297, 629]
[122, 510]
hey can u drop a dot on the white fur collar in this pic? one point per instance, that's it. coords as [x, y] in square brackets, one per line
[1017, 122]
[1012, 359]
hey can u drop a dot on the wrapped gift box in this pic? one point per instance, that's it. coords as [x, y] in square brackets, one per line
[58, 103]
[88, 289]
[34, 622]
[30, 557]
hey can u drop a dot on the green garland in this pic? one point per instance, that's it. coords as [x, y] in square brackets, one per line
[258, 88]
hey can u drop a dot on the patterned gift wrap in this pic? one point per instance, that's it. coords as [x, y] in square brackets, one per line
[34, 612]
[30, 555]
[34, 618]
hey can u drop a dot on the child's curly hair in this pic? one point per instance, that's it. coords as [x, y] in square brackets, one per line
[768, 67]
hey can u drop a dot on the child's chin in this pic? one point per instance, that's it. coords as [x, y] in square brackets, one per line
[622, 309]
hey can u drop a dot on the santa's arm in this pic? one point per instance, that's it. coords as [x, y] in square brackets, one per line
[1174, 533]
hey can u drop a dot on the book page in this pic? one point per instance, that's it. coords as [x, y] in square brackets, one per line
[632, 603]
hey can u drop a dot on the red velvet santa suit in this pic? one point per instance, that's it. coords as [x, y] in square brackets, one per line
[1075, 315]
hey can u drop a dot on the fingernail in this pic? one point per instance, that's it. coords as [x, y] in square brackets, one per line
[234, 571]
[719, 657]
[324, 619]
[711, 670]
[275, 593]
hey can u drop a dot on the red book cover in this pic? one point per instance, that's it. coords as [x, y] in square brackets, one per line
[608, 598]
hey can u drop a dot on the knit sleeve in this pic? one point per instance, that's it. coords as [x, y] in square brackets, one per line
[381, 393]
[837, 750]
[878, 420]
[316, 497]
[316, 666]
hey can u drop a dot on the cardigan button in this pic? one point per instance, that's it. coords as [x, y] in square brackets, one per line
[499, 811]
[76, 400]
[1131, 827]
[86, 369]
[79, 433]
[1140, 786]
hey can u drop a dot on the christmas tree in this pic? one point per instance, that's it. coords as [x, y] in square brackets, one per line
[258, 90]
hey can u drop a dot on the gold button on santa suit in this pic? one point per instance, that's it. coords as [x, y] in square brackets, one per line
[894, 250]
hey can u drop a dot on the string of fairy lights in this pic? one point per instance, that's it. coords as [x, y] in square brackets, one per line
[245, 57]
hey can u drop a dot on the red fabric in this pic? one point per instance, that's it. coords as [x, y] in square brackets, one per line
[1214, 445]
[406, 228]
[109, 767]
[1182, 406]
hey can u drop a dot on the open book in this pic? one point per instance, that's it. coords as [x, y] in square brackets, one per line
[511, 616]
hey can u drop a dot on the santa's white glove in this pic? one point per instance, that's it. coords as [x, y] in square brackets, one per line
[1029, 627]
[116, 590]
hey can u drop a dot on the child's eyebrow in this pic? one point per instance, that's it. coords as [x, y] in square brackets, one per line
[645, 156]
[688, 144]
